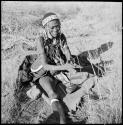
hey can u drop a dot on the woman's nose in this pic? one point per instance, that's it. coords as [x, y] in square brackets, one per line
[55, 29]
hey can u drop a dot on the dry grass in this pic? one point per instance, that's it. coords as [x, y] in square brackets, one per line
[86, 27]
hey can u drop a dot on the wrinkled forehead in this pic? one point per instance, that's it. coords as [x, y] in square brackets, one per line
[53, 23]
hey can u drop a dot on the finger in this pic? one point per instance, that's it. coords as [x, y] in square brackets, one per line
[78, 66]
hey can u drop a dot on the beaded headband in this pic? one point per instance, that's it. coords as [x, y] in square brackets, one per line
[48, 19]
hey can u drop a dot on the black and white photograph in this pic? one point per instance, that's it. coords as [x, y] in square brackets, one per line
[61, 62]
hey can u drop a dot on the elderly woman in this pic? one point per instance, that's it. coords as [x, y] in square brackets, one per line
[55, 57]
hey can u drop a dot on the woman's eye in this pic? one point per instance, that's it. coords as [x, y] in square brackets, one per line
[57, 27]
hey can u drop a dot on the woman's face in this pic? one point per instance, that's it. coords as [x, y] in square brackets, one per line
[53, 27]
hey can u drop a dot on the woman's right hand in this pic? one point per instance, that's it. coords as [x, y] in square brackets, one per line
[70, 68]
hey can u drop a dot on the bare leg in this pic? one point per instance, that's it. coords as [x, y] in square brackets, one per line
[48, 85]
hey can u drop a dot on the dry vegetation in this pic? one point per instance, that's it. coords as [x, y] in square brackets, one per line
[86, 27]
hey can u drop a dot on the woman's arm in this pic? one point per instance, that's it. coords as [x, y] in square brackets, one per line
[58, 68]
[42, 61]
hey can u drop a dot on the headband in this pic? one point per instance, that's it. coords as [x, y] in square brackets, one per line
[48, 19]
